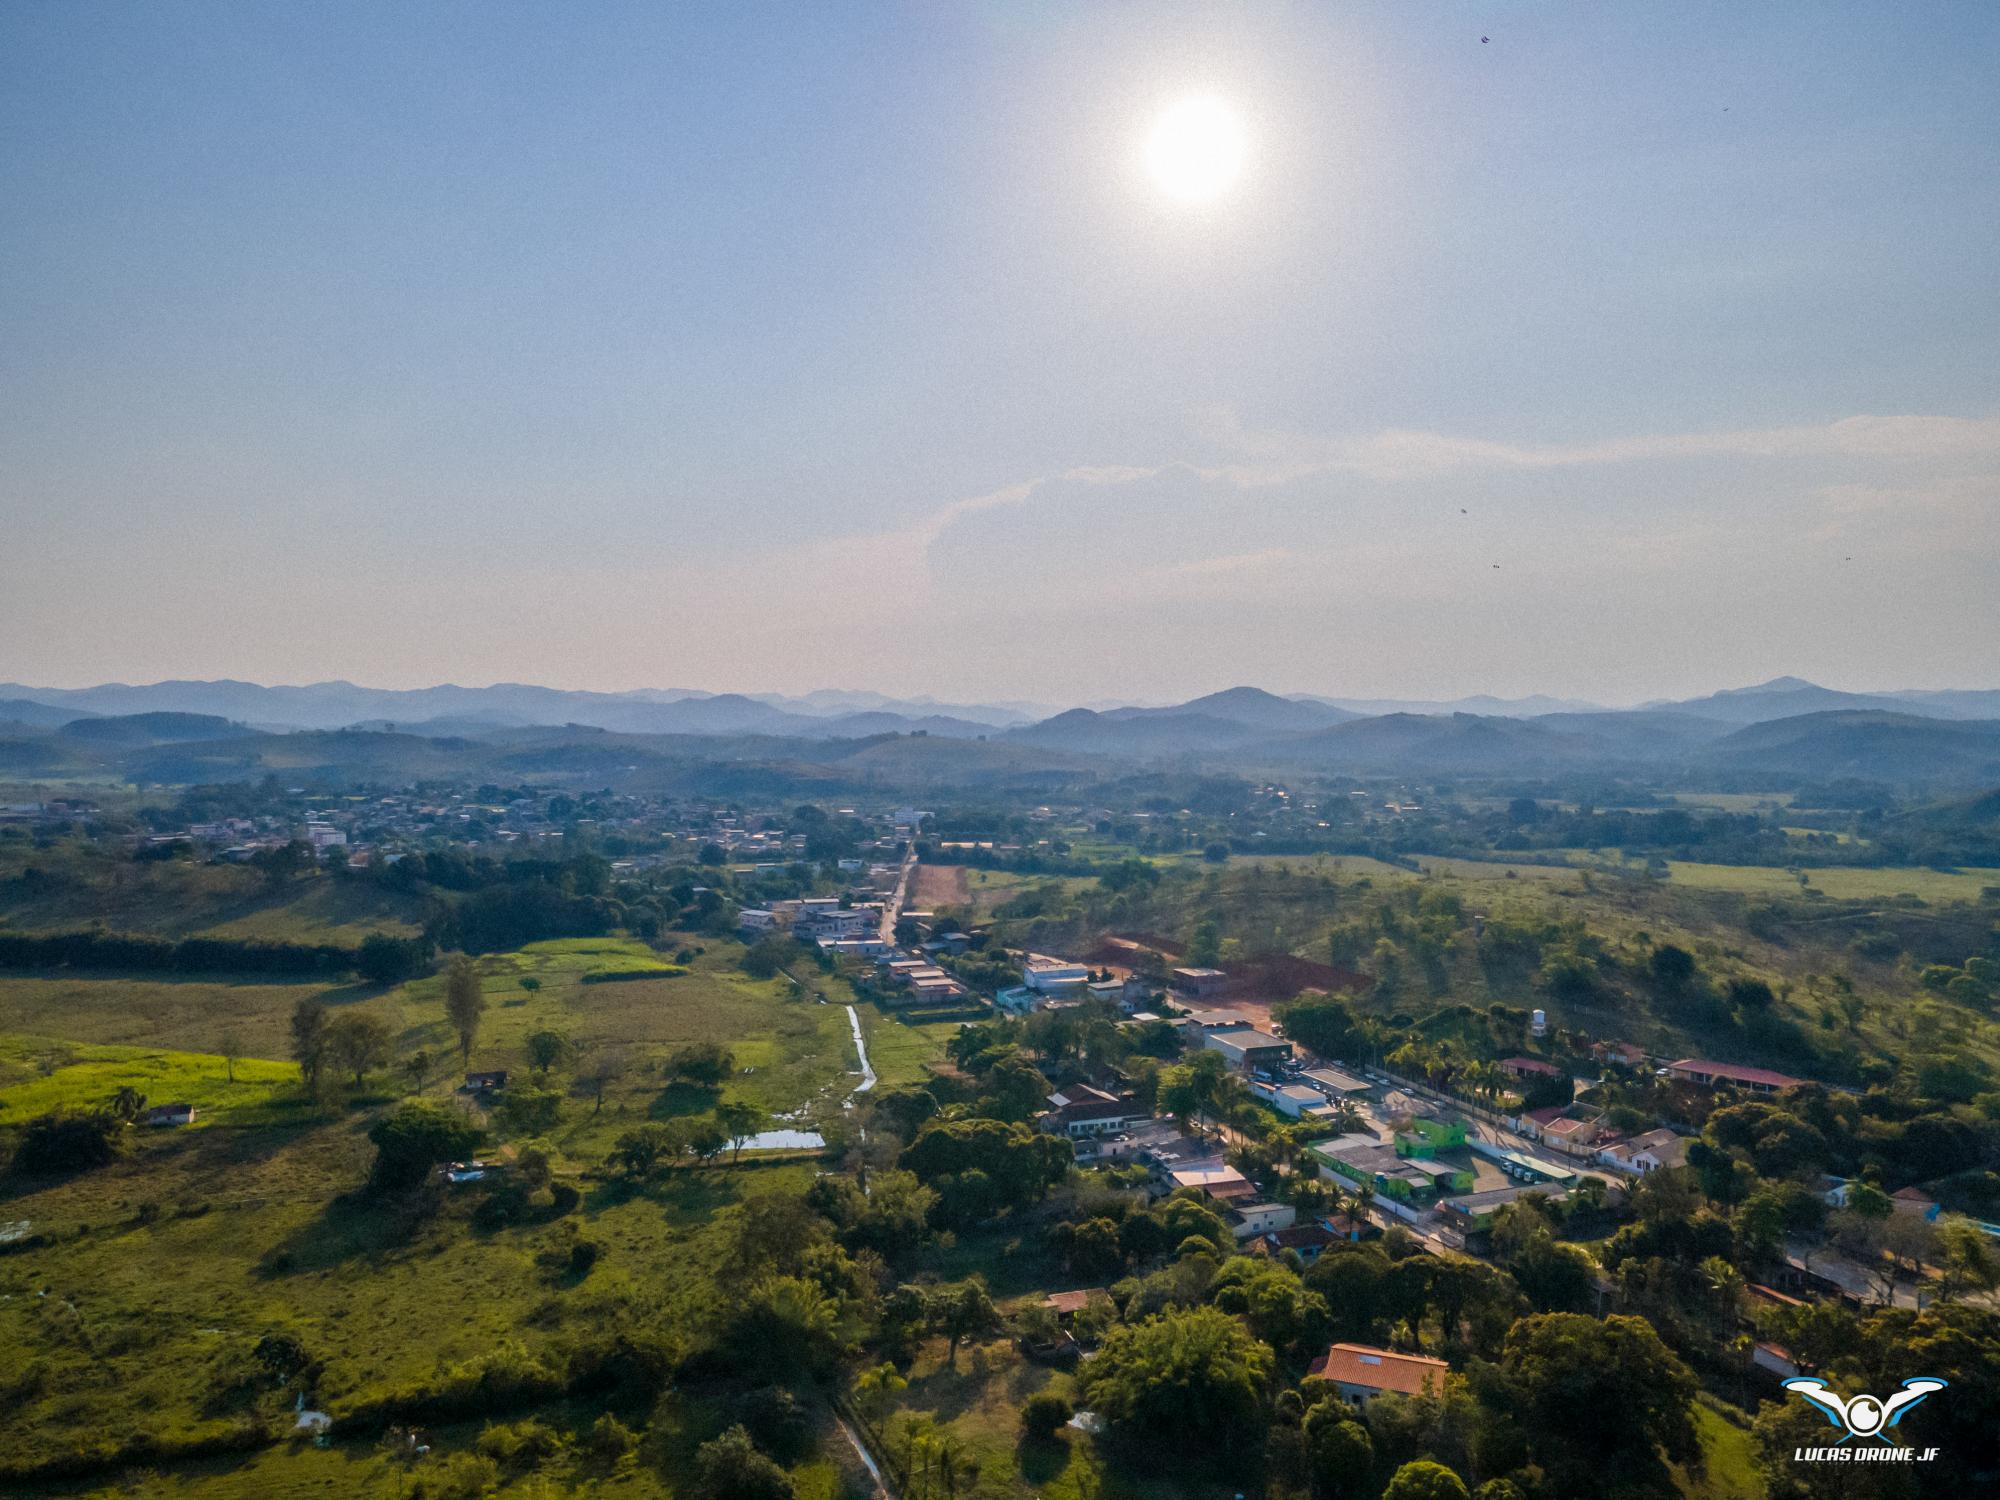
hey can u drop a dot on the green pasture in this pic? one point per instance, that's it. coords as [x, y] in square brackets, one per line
[41, 1074]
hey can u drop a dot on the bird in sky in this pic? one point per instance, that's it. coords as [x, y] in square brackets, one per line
[1484, 40]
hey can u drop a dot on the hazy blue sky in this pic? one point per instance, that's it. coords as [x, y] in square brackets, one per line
[782, 346]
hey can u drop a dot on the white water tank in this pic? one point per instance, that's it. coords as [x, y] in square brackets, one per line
[1538, 1023]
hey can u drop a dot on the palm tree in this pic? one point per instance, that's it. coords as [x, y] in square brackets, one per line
[875, 1388]
[1371, 1034]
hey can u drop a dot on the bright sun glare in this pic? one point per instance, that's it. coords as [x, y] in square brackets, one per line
[1196, 149]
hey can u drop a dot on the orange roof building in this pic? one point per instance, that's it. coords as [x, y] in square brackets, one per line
[1362, 1373]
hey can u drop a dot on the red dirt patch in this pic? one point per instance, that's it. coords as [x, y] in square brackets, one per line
[941, 885]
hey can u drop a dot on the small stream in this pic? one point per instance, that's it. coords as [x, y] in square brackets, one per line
[811, 1140]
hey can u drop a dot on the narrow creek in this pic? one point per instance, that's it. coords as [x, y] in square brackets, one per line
[807, 1140]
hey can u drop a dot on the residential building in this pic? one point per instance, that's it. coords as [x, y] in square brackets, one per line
[1529, 1067]
[1078, 1110]
[1248, 1220]
[168, 1114]
[1360, 1372]
[1647, 1153]
[1218, 1183]
[1716, 1074]
[1197, 983]
[1624, 1054]
[1472, 1213]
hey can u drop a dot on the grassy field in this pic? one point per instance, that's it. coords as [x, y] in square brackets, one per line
[1735, 802]
[190, 1014]
[162, 1271]
[1480, 869]
[1841, 882]
[1728, 1469]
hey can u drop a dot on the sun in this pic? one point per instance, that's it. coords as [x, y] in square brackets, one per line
[1196, 150]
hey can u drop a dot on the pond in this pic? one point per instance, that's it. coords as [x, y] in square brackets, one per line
[784, 1140]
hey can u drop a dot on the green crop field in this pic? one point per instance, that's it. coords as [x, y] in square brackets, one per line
[40, 1074]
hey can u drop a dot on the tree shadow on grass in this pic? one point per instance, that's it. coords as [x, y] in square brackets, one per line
[1041, 1460]
[684, 1195]
[948, 1393]
[351, 1226]
[678, 1099]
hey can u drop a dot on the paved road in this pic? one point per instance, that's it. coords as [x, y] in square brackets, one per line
[893, 912]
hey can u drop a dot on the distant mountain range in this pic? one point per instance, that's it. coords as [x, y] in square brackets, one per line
[1786, 729]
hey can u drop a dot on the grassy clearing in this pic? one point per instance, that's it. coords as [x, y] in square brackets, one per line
[1729, 1457]
[83, 1077]
[899, 1051]
[192, 1014]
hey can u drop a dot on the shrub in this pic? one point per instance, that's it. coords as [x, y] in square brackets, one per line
[518, 1446]
[62, 1142]
[1043, 1414]
[777, 1421]
[610, 1439]
[414, 1137]
[463, 1476]
[731, 1468]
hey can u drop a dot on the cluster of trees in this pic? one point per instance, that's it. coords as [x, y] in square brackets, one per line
[703, 1138]
[198, 955]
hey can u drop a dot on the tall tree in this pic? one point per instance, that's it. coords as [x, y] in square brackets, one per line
[547, 1048]
[1184, 1380]
[464, 1003]
[356, 1042]
[740, 1119]
[309, 1040]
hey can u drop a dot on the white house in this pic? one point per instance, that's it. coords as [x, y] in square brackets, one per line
[1248, 1220]
[1647, 1153]
[1291, 1099]
[1053, 976]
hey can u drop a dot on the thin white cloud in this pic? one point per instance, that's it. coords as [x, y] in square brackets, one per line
[1276, 456]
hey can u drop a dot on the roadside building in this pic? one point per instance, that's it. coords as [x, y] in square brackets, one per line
[1053, 976]
[1247, 1049]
